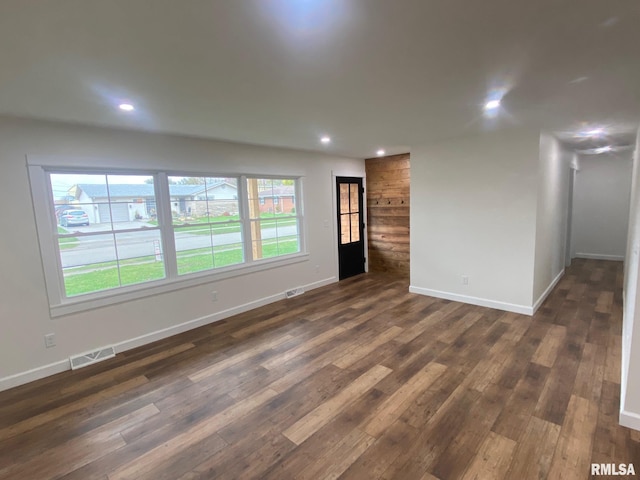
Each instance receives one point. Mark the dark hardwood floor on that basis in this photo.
(359, 380)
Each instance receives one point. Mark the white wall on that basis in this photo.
(552, 215)
(630, 381)
(24, 311)
(473, 212)
(601, 206)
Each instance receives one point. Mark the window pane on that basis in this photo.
(203, 199)
(266, 242)
(344, 198)
(126, 204)
(355, 205)
(140, 257)
(70, 198)
(85, 250)
(208, 246)
(223, 210)
(228, 254)
(288, 238)
(194, 249)
(194, 211)
(89, 264)
(274, 225)
(345, 229)
(227, 242)
(90, 280)
(355, 227)
(103, 202)
(222, 197)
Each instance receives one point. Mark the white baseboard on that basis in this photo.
(629, 419)
(598, 256)
(34, 374)
(546, 293)
(482, 302)
(62, 365)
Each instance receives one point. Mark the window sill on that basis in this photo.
(135, 292)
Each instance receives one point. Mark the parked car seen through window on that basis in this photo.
(70, 218)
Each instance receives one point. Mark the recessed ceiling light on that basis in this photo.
(126, 107)
(492, 104)
(380, 152)
(605, 149)
(596, 132)
(579, 80)
(326, 139)
(590, 133)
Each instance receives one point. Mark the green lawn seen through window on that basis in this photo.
(107, 275)
(66, 242)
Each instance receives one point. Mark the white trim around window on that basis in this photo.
(61, 303)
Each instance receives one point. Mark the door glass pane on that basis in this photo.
(355, 207)
(344, 198)
(344, 229)
(355, 228)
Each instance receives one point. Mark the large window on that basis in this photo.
(106, 234)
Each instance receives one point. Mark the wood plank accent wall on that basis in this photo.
(387, 192)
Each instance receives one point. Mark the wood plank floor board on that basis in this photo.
(356, 380)
(522, 354)
(323, 413)
(375, 461)
(514, 418)
(573, 451)
(493, 458)
(292, 404)
(534, 451)
(454, 460)
(432, 439)
(312, 451)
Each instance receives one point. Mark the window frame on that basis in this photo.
(249, 220)
(44, 213)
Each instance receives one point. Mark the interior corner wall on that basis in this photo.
(630, 371)
(473, 214)
(601, 206)
(24, 309)
(551, 216)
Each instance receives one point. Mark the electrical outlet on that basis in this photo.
(50, 340)
(465, 280)
(317, 268)
(214, 296)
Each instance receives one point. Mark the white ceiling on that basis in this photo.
(369, 73)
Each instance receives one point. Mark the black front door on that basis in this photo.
(350, 226)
